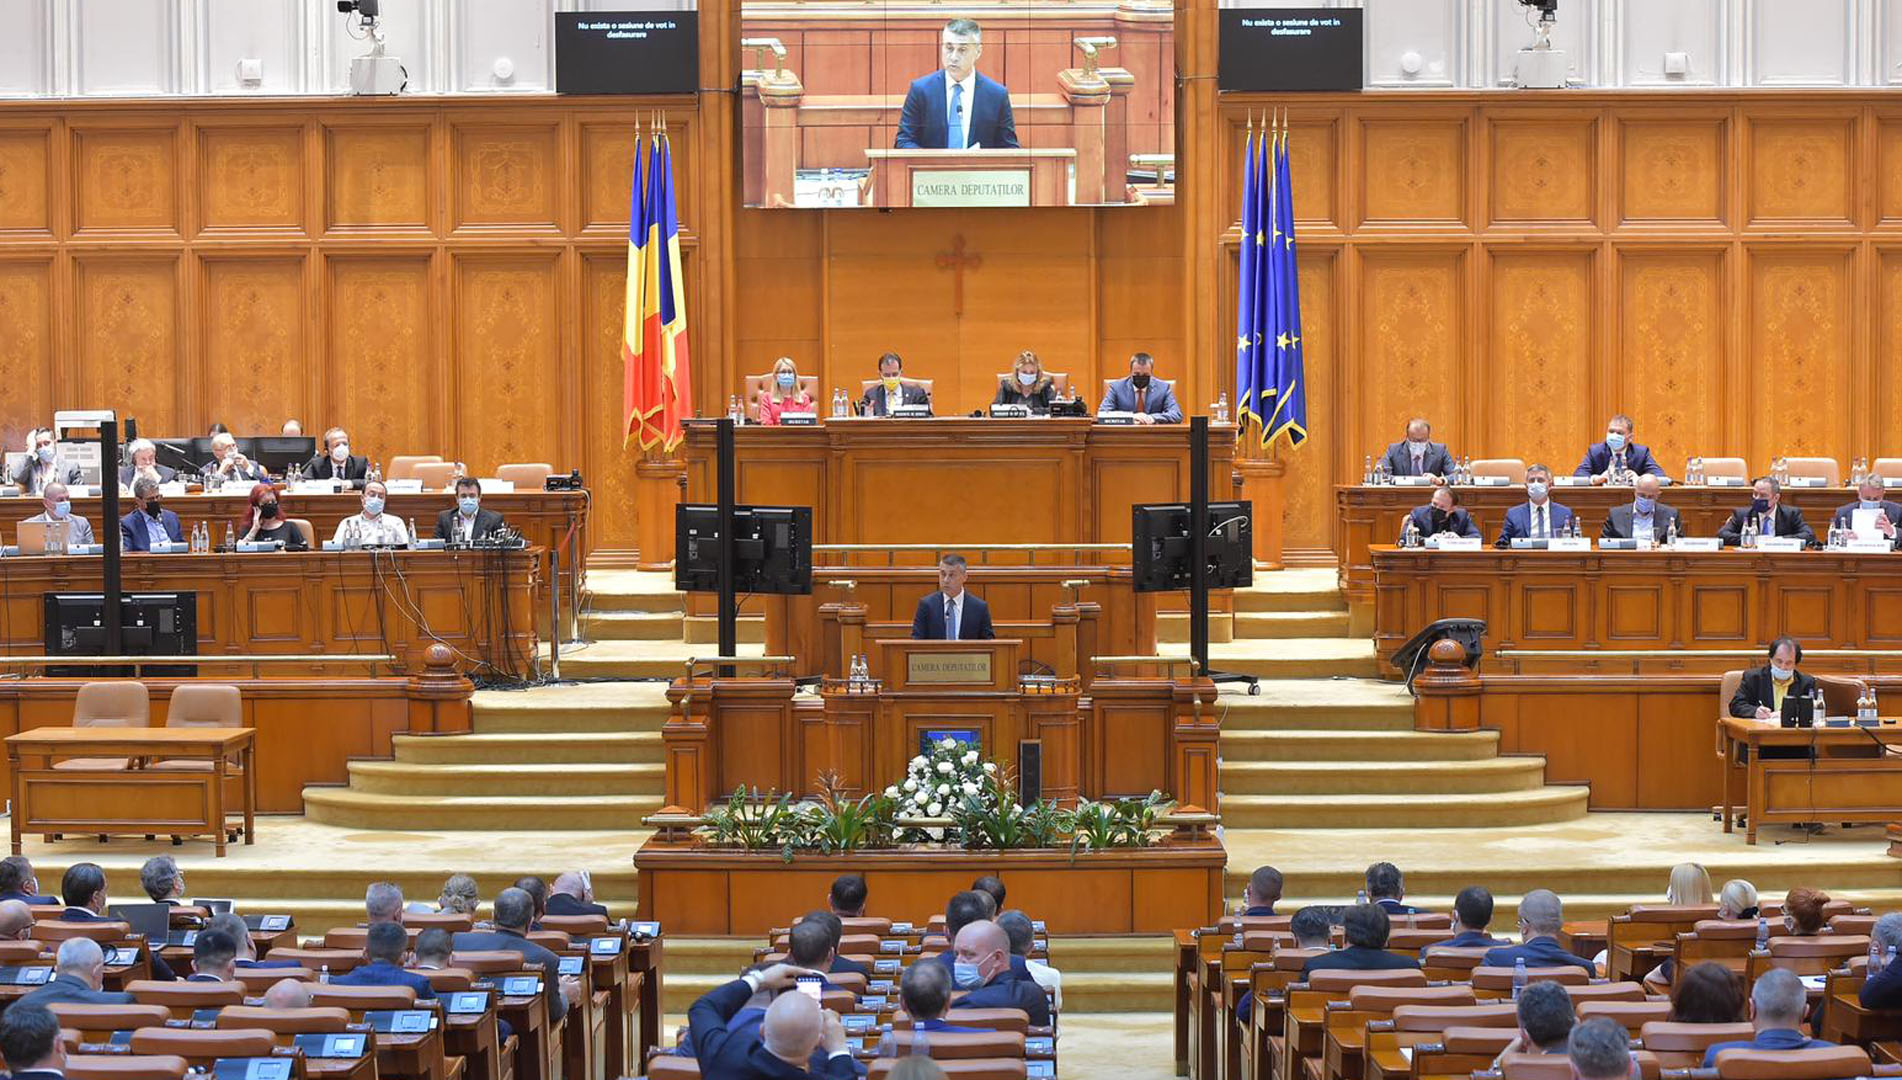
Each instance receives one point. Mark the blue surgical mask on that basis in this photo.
(1644, 505)
(468, 503)
(1760, 506)
(787, 379)
(1535, 490)
(1028, 378)
(373, 504)
(61, 509)
(1871, 504)
(965, 975)
(47, 453)
(1614, 441)
(1782, 674)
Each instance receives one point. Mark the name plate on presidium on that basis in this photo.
(948, 667)
(970, 187)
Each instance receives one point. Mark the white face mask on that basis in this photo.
(340, 452)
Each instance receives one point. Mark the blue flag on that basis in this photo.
(1249, 371)
(1285, 390)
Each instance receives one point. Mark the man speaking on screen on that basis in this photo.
(957, 108)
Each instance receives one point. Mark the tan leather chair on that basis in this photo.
(24, 952)
(58, 930)
(1442, 1017)
(597, 924)
(435, 475)
(525, 475)
(1059, 380)
(310, 532)
(445, 920)
(1824, 1063)
(1631, 1015)
(96, 1023)
(1580, 993)
(1806, 955)
(962, 1068)
(488, 961)
(117, 1066)
(202, 1047)
(257, 980)
(184, 998)
(1681, 1046)
(1826, 467)
(123, 703)
(1887, 467)
(403, 466)
(446, 980)
(1512, 468)
(1497, 980)
(285, 1023)
(671, 1067)
(758, 386)
(995, 1019)
(359, 999)
(337, 960)
(204, 705)
(956, 1046)
(1726, 466)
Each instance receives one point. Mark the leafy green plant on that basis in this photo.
(993, 817)
(1136, 819)
(837, 823)
(754, 821)
(1092, 826)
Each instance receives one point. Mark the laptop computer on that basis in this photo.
(216, 907)
(152, 920)
(32, 539)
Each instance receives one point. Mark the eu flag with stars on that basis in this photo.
(1270, 377)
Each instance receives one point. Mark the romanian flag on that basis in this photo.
(658, 388)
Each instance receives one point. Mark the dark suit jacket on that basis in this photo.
(562, 904)
(1539, 952)
(1789, 523)
(1637, 458)
(1357, 958)
(1884, 991)
(739, 1055)
(30, 484)
(25, 899)
(925, 121)
(36, 1074)
(1459, 522)
(1891, 510)
(1006, 991)
(843, 966)
(66, 989)
(1396, 907)
(1758, 688)
(1468, 939)
(533, 955)
(382, 973)
(355, 469)
(1519, 522)
(1618, 523)
(1774, 1039)
(132, 535)
(1159, 399)
(486, 522)
(874, 403)
(1399, 460)
(930, 1026)
(268, 964)
(974, 622)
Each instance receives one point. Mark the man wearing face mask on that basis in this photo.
(891, 390)
(467, 522)
(982, 968)
(1766, 516)
(336, 461)
(1443, 515)
(1609, 460)
(1150, 399)
(42, 465)
(151, 523)
(1644, 518)
(59, 508)
(1869, 498)
(1761, 691)
(373, 527)
(1418, 454)
(1538, 518)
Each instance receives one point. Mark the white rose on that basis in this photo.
(934, 809)
(911, 784)
(970, 788)
(944, 766)
(970, 757)
(891, 792)
(920, 760)
(990, 766)
(949, 744)
(944, 789)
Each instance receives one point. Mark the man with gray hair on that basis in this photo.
(150, 524)
(383, 902)
(1777, 1005)
(79, 969)
(1023, 936)
(514, 909)
(1601, 1050)
(230, 465)
(162, 880)
(1541, 916)
(956, 107)
(1884, 989)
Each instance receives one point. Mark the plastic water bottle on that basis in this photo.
(1221, 407)
(888, 1044)
(1875, 957)
(1763, 934)
(413, 534)
(920, 1042)
(231, 537)
(323, 975)
(1518, 977)
(1367, 469)
(1817, 713)
(1875, 710)
(1360, 898)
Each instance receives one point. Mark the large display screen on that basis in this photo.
(887, 103)
(650, 51)
(1273, 49)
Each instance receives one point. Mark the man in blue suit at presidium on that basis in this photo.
(957, 107)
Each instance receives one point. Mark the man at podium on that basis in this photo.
(957, 107)
(951, 614)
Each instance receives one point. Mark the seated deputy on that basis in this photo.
(783, 394)
(891, 390)
(335, 462)
(1777, 1007)
(384, 946)
(1766, 516)
(143, 461)
(467, 522)
(1538, 518)
(229, 466)
(1027, 386)
(1418, 454)
(1442, 515)
(1541, 917)
(150, 524)
(264, 520)
(373, 527)
(1644, 518)
(925, 992)
(1150, 399)
(58, 507)
(982, 968)
(1869, 497)
(792, 1032)
(1366, 927)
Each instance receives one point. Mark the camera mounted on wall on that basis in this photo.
(374, 73)
(1540, 67)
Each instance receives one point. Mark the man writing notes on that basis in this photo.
(956, 107)
(951, 613)
(891, 389)
(1150, 399)
(1870, 517)
(1443, 515)
(1766, 516)
(1644, 518)
(1538, 518)
(1418, 454)
(1761, 691)
(1608, 462)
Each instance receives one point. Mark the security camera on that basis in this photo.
(375, 72)
(1548, 9)
(1540, 67)
(366, 8)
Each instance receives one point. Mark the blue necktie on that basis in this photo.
(950, 619)
(955, 138)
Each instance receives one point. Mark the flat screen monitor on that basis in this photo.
(277, 453)
(150, 624)
(1160, 543)
(649, 51)
(173, 453)
(1280, 49)
(772, 549)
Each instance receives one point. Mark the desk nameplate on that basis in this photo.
(948, 668)
(970, 187)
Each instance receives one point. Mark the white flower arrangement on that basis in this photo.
(939, 781)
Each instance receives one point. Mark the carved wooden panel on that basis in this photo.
(25, 195)
(1879, 629)
(1541, 356)
(1309, 488)
(377, 176)
(251, 176)
(506, 175)
(508, 350)
(1720, 613)
(1465, 602)
(1804, 613)
(1413, 330)
(608, 463)
(1313, 166)
(1549, 611)
(1544, 170)
(1803, 169)
(381, 329)
(1888, 340)
(27, 345)
(255, 317)
(1674, 170)
(1634, 613)
(607, 175)
(1799, 332)
(1670, 351)
(1414, 171)
(126, 179)
(126, 310)
(1888, 169)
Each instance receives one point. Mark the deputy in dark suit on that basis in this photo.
(1366, 928)
(1262, 893)
(384, 945)
(1149, 399)
(144, 462)
(1884, 990)
(1761, 691)
(1643, 515)
(1767, 506)
(30, 1039)
(794, 1027)
(952, 613)
(467, 522)
(43, 466)
(514, 909)
(79, 970)
(1388, 890)
(956, 107)
(18, 882)
(83, 889)
(1538, 517)
(214, 956)
(1441, 515)
(1777, 1007)
(150, 522)
(891, 390)
(1618, 455)
(1418, 454)
(1869, 497)
(247, 956)
(925, 991)
(1472, 916)
(981, 967)
(573, 894)
(336, 461)
(1541, 916)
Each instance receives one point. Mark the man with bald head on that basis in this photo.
(573, 894)
(287, 994)
(79, 969)
(16, 920)
(58, 509)
(981, 967)
(794, 1027)
(1540, 918)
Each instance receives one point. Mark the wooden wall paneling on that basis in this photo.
(1803, 167)
(1669, 349)
(254, 318)
(382, 327)
(506, 174)
(1673, 168)
(1801, 326)
(127, 176)
(1885, 440)
(1538, 364)
(1308, 513)
(381, 171)
(508, 346)
(1886, 191)
(1415, 338)
(1542, 167)
(608, 464)
(27, 180)
(1415, 170)
(781, 257)
(251, 176)
(27, 344)
(129, 332)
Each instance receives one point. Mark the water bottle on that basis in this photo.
(1875, 958)
(323, 975)
(888, 1043)
(1360, 898)
(413, 534)
(231, 537)
(1855, 473)
(1818, 714)
(1367, 469)
(1221, 407)
(1875, 710)
(920, 1042)
(1518, 977)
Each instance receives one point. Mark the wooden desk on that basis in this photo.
(182, 802)
(483, 604)
(1639, 600)
(1372, 516)
(1799, 790)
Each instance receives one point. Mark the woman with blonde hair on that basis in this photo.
(1690, 886)
(1738, 900)
(459, 896)
(1028, 385)
(783, 394)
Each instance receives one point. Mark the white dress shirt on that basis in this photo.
(958, 126)
(465, 527)
(1541, 520)
(955, 603)
(385, 529)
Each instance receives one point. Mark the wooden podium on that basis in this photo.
(1018, 177)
